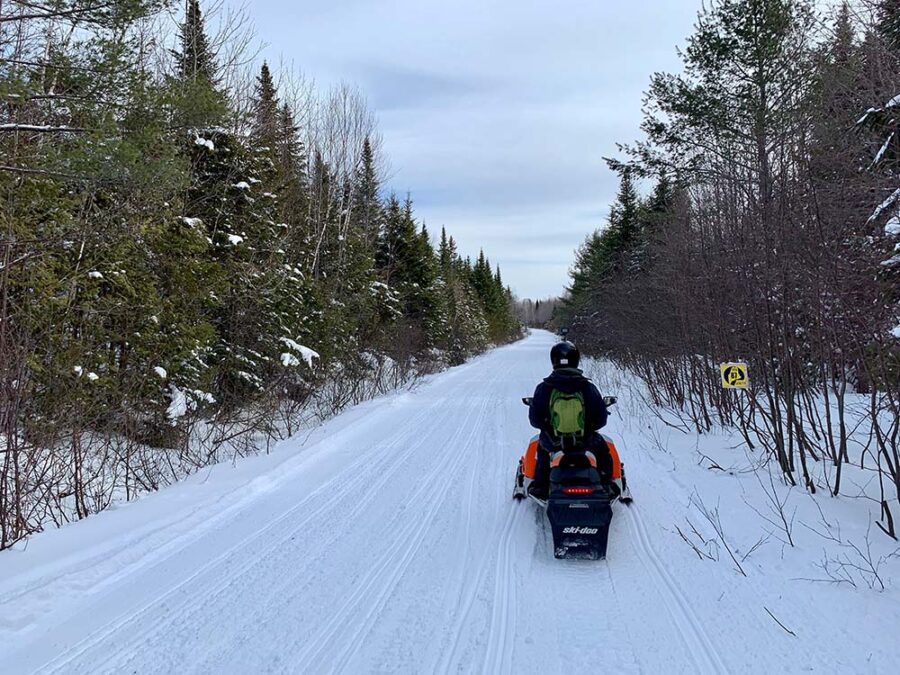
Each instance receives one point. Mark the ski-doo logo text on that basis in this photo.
(580, 530)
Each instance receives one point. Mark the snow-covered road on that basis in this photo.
(388, 543)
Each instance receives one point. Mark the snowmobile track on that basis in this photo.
(463, 593)
(384, 578)
(463, 610)
(689, 626)
(501, 633)
(176, 544)
(349, 481)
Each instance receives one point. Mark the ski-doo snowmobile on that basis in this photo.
(579, 501)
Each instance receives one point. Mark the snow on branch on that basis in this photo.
(880, 155)
(885, 205)
(40, 128)
(306, 353)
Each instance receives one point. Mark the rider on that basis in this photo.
(565, 387)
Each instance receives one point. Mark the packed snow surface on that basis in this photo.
(386, 541)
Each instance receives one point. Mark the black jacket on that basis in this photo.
(569, 381)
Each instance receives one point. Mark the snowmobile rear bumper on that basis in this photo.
(580, 526)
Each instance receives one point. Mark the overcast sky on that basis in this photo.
(496, 114)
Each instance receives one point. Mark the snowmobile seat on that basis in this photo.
(574, 460)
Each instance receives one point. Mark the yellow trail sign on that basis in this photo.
(735, 375)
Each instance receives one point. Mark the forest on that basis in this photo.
(770, 235)
(199, 255)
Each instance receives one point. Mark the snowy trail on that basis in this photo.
(389, 543)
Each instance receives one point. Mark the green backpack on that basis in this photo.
(566, 414)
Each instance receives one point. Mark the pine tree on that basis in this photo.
(321, 230)
(267, 119)
(889, 23)
(366, 199)
(199, 103)
(837, 84)
(446, 254)
(195, 61)
(584, 270)
(625, 211)
(290, 164)
(390, 234)
(291, 156)
(661, 200)
(744, 55)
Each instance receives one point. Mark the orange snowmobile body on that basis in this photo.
(529, 459)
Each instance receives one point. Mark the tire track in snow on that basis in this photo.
(358, 640)
(173, 546)
(629, 643)
(391, 566)
(503, 615)
(226, 585)
(352, 477)
(686, 620)
(464, 607)
(465, 594)
(457, 592)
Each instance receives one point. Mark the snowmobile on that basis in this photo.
(579, 502)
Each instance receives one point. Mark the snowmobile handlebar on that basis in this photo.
(609, 401)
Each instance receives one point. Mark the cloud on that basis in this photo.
(496, 115)
(393, 88)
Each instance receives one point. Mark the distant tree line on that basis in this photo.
(770, 235)
(194, 257)
(537, 313)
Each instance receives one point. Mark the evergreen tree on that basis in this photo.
(366, 200)
(291, 156)
(195, 61)
(446, 254)
(468, 327)
(161, 266)
(653, 218)
(290, 165)
(321, 228)
(624, 219)
(660, 201)
(584, 270)
(889, 23)
(839, 96)
(199, 104)
(388, 254)
(267, 118)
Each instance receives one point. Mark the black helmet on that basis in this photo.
(564, 355)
